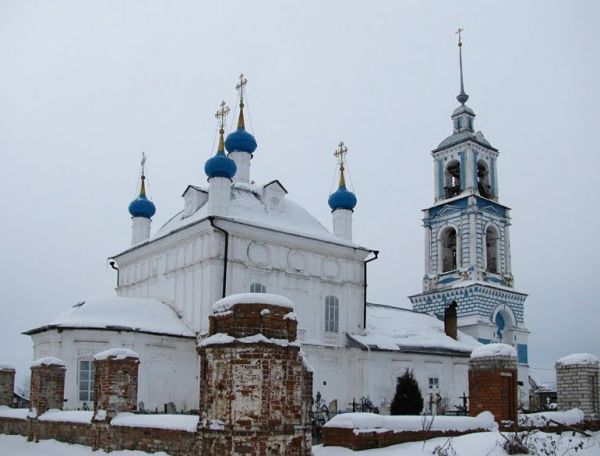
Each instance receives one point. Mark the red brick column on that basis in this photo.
(115, 383)
(493, 382)
(255, 387)
(7, 384)
(47, 385)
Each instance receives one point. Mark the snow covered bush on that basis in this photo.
(408, 399)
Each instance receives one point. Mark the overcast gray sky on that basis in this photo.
(86, 86)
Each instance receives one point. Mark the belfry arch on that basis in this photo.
(483, 179)
(492, 249)
(453, 184)
(449, 241)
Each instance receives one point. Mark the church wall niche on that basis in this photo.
(452, 179)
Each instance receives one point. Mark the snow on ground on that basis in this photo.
(15, 445)
(478, 444)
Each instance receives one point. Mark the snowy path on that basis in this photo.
(15, 445)
(480, 444)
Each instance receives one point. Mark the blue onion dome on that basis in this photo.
(342, 199)
(142, 206)
(220, 165)
(240, 140)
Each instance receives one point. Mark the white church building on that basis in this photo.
(235, 236)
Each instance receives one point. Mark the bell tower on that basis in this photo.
(467, 241)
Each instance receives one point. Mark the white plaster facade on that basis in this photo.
(168, 370)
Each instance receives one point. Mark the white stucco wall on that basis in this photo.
(168, 370)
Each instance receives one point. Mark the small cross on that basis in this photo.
(340, 154)
(458, 32)
(240, 87)
(222, 113)
(143, 158)
(341, 151)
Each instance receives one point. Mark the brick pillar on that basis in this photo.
(578, 384)
(493, 382)
(255, 386)
(47, 385)
(7, 384)
(115, 383)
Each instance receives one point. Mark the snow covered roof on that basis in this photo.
(121, 314)
(225, 304)
(6, 367)
(462, 136)
(247, 206)
(494, 350)
(398, 329)
(578, 358)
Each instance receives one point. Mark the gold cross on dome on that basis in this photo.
(222, 113)
(459, 33)
(341, 151)
(240, 87)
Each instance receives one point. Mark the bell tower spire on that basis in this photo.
(462, 96)
(467, 242)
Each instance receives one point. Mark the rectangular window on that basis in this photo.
(332, 314)
(86, 380)
(434, 382)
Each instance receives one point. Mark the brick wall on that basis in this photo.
(151, 440)
(115, 385)
(78, 433)
(7, 386)
(493, 387)
(366, 440)
(47, 387)
(249, 319)
(14, 426)
(577, 385)
(255, 398)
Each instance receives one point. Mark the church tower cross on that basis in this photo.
(221, 114)
(240, 87)
(340, 154)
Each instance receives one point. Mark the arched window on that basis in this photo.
(85, 379)
(491, 249)
(483, 179)
(448, 244)
(452, 187)
(503, 320)
(258, 288)
(332, 314)
(500, 325)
